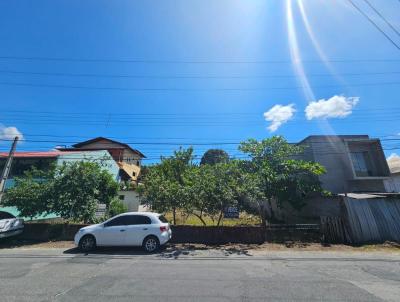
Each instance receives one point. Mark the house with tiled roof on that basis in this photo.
(128, 159)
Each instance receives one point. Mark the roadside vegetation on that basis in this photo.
(72, 191)
(269, 173)
(186, 191)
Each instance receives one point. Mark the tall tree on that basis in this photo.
(214, 156)
(274, 174)
(164, 188)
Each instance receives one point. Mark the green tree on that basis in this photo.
(31, 192)
(214, 156)
(116, 207)
(212, 188)
(71, 190)
(164, 188)
(273, 173)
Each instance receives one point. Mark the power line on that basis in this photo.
(158, 61)
(164, 89)
(89, 157)
(168, 143)
(95, 75)
(374, 24)
(382, 17)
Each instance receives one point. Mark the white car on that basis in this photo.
(149, 230)
(10, 225)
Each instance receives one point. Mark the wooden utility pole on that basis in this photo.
(7, 167)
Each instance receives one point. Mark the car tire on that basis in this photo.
(87, 243)
(151, 244)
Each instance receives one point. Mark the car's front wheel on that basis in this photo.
(151, 244)
(87, 243)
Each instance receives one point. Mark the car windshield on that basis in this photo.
(6, 215)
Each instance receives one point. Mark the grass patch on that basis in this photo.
(185, 219)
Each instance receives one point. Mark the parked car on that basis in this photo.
(10, 225)
(149, 230)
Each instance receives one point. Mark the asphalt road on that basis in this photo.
(55, 275)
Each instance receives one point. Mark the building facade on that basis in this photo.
(353, 163)
(129, 160)
(24, 161)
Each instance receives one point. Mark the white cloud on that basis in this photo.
(9, 133)
(337, 106)
(278, 115)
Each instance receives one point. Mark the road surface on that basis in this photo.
(206, 276)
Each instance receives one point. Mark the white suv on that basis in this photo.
(149, 230)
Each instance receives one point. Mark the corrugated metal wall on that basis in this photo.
(373, 220)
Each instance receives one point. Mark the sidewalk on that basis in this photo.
(233, 251)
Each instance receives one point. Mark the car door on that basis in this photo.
(138, 227)
(113, 232)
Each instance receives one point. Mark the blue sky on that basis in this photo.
(196, 71)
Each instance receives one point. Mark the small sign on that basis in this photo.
(231, 212)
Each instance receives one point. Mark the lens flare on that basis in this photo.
(295, 54)
(299, 67)
(315, 42)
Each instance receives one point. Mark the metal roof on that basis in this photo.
(93, 140)
(33, 154)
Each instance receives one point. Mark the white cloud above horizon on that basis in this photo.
(337, 106)
(9, 133)
(279, 115)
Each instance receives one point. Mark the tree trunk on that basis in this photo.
(272, 214)
(220, 217)
(263, 217)
(200, 218)
(174, 215)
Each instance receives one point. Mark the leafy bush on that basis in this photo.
(117, 207)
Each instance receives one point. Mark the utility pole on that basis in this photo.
(7, 167)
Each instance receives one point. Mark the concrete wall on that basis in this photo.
(130, 199)
(185, 234)
(315, 208)
(333, 152)
(102, 157)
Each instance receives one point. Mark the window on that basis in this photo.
(6, 215)
(121, 220)
(360, 163)
(162, 219)
(137, 219)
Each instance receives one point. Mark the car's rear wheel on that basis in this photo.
(151, 244)
(87, 243)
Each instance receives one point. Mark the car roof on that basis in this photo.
(150, 214)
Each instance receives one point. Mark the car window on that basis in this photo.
(162, 219)
(137, 219)
(6, 215)
(121, 220)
